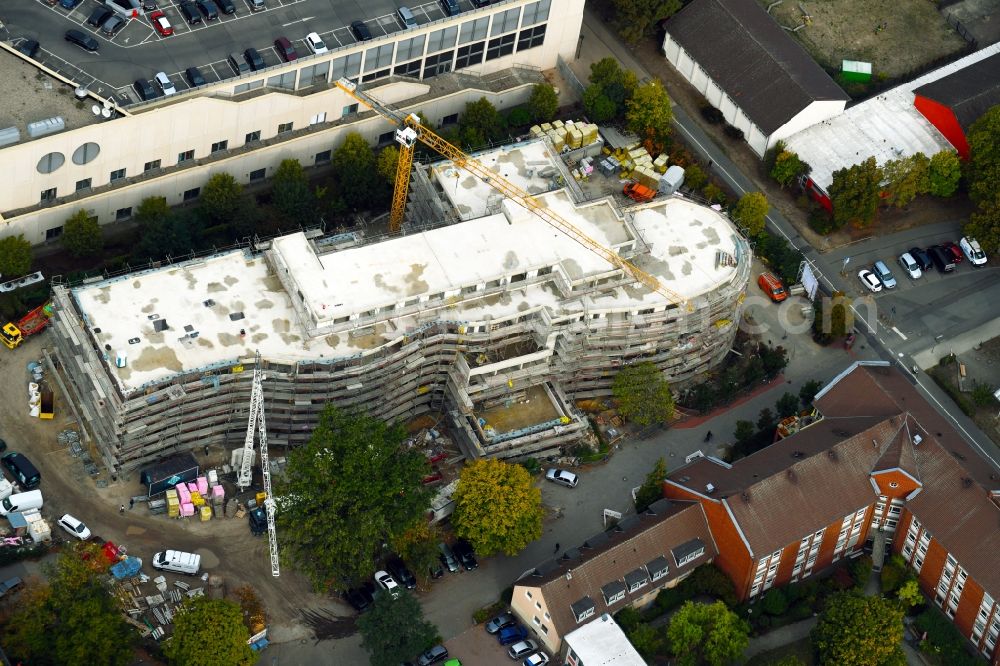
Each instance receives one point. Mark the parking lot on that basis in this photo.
(138, 51)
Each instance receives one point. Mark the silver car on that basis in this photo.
(909, 264)
(884, 275)
(562, 477)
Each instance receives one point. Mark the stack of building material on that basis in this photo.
(213, 478)
(173, 503)
(646, 175)
(183, 494)
(192, 486)
(197, 499)
(187, 510)
(202, 482)
(660, 163)
(587, 166)
(205, 513)
(218, 499)
(38, 529)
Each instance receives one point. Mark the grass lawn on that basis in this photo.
(801, 649)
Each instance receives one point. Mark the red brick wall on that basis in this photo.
(968, 607)
(733, 557)
(902, 528)
(930, 572)
(904, 484)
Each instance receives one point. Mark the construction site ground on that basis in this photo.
(226, 546)
(534, 407)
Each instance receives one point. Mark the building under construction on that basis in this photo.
(488, 316)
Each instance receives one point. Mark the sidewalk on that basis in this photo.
(772, 640)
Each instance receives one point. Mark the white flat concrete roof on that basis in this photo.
(886, 127)
(603, 642)
(198, 300)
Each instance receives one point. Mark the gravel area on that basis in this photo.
(30, 95)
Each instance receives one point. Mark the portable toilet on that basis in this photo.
(672, 180)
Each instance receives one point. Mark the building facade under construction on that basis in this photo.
(482, 313)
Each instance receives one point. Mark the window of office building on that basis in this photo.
(219, 146)
(123, 214)
(252, 136)
(505, 21)
(53, 233)
(380, 74)
(284, 81)
(442, 39)
(48, 195)
(450, 120)
(349, 66)
(471, 55)
(318, 118)
(348, 110)
(257, 175)
(83, 184)
(438, 64)
(530, 38)
(149, 166)
(323, 157)
(536, 12)
(316, 74)
(473, 30)
(244, 87)
(408, 69)
(186, 156)
(499, 47)
(285, 127)
(190, 195)
(378, 57)
(117, 174)
(410, 48)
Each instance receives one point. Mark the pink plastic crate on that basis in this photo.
(192, 486)
(183, 494)
(218, 491)
(202, 485)
(187, 509)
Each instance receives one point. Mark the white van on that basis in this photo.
(177, 561)
(21, 502)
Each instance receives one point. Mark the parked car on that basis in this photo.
(69, 4)
(954, 250)
(772, 286)
(562, 477)
(512, 634)
(538, 659)
(448, 558)
(361, 31)
(361, 598)
(82, 40)
(238, 64)
(148, 5)
(386, 582)
(256, 5)
(315, 44)
(972, 250)
(254, 60)
(463, 551)
(28, 47)
(910, 265)
(22, 469)
(481, 3)
(884, 275)
(450, 7)
(406, 17)
(160, 22)
(74, 527)
(10, 584)
(401, 573)
(208, 9)
(285, 49)
(433, 656)
(521, 649)
(113, 25)
(501, 621)
(436, 571)
(258, 520)
(226, 6)
(190, 12)
(943, 259)
(194, 77)
(144, 89)
(922, 258)
(99, 16)
(869, 280)
(165, 84)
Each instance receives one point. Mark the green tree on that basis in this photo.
(291, 194)
(172, 233)
(909, 593)
(419, 547)
(984, 225)
(855, 193)
(709, 633)
(599, 107)
(388, 160)
(944, 172)
(651, 489)
(695, 177)
(349, 490)
(787, 405)
(15, 256)
(751, 212)
(713, 193)
(893, 574)
(744, 431)
(774, 602)
(497, 507)
(809, 390)
(543, 103)
(982, 174)
(766, 420)
(358, 181)
(636, 19)
(221, 199)
(208, 632)
(394, 629)
(905, 178)
(787, 168)
(480, 123)
(859, 631)
(81, 235)
(647, 640)
(982, 394)
(648, 115)
(151, 208)
(643, 394)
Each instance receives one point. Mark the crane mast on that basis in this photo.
(258, 426)
(496, 181)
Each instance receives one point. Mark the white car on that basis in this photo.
(165, 84)
(870, 280)
(972, 251)
(562, 477)
(387, 582)
(908, 264)
(315, 44)
(537, 659)
(74, 527)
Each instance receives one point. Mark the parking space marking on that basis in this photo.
(899, 333)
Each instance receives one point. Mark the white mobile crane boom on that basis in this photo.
(257, 425)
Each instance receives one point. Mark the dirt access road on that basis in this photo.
(226, 546)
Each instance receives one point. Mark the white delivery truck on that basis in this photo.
(177, 561)
(21, 502)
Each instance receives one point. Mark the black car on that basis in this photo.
(194, 76)
(208, 9)
(226, 6)
(361, 31)
(3, 444)
(402, 575)
(463, 551)
(82, 40)
(258, 521)
(361, 598)
(436, 571)
(922, 258)
(28, 47)
(481, 3)
(99, 16)
(942, 258)
(148, 5)
(190, 12)
(254, 60)
(144, 89)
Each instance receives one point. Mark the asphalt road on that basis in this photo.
(137, 51)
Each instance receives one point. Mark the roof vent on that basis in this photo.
(966, 482)
(791, 475)
(746, 497)
(917, 439)
(709, 488)
(569, 574)
(832, 454)
(798, 454)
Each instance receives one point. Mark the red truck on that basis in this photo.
(638, 192)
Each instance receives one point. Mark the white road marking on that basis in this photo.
(301, 20)
(899, 333)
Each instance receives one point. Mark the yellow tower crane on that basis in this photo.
(411, 130)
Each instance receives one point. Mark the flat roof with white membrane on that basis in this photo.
(886, 127)
(213, 312)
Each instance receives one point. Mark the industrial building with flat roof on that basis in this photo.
(475, 318)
